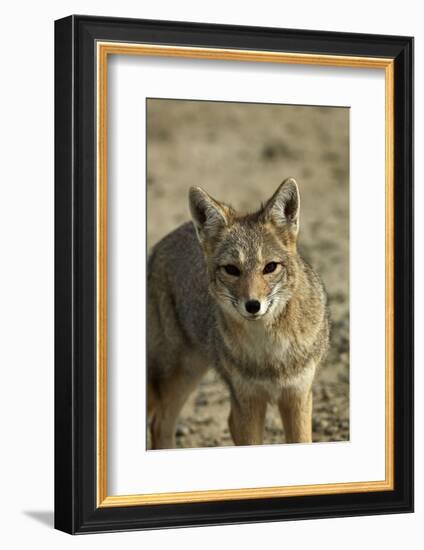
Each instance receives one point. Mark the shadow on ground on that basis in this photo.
(46, 517)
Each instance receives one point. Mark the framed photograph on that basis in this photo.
(234, 274)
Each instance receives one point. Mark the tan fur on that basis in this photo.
(201, 279)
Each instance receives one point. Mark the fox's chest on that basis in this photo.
(262, 360)
(260, 347)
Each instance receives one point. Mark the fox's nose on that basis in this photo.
(252, 306)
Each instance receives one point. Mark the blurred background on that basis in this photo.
(240, 153)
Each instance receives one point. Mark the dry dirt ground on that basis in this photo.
(240, 153)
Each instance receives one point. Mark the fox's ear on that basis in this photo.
(283, 207)
(209, 216)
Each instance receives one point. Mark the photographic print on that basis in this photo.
(233, 266)
(248, 273)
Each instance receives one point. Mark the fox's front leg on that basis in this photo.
(247, 419)
(296, 412)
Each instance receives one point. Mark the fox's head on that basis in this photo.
(251, 259)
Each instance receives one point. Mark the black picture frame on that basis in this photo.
(76, 510)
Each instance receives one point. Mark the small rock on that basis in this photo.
(323, 424)
(201, 401)
(182, 431)
(327, 394)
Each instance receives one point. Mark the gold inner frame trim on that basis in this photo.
(104, 49)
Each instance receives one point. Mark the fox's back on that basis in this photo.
(178, 286)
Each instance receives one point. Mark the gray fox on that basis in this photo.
(230, 291)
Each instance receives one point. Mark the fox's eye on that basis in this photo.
(232, 270)
(269, 268)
